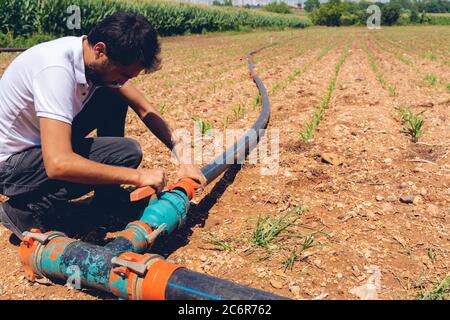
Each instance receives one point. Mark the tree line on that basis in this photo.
(337, 12)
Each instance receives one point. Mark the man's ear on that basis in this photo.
(99, 50)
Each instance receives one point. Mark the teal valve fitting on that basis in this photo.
(169, 208)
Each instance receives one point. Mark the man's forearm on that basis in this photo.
(77, 169)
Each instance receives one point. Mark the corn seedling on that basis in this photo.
(238, 111)
(431, 79)
(415, 122)
(308, 131)
(430, 56)
(203, 126)
(225, 121)
(162, 107)
(406, 114)
(257, 101)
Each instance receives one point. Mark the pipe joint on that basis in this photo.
(140, 277)
(169, 208)
(40, 253)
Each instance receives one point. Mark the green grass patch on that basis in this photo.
(431, 79)
(440, 291)
(220, 244)
(267, 228)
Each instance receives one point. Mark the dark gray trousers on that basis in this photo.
(34, 198)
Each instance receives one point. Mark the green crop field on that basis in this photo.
(25, 17)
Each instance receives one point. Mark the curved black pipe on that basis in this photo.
(242, 147)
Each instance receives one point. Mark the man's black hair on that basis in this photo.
(129, 39)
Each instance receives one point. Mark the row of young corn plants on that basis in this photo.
(281, 85)
(397, 55)
(311, 126)
(429, 78)
(390, 88)
(239, 110)
(431, 56)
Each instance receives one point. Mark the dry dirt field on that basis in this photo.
(352, 230)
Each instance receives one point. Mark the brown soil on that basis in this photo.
(355, 225)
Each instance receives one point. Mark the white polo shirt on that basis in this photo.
(47, 80)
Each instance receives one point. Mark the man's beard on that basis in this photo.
(93, 75)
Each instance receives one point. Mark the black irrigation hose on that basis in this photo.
(238, 152)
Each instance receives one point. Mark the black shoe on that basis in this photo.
(19, 217)
(8, 222)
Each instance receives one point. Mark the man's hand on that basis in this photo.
(154, 178)
(191, 171)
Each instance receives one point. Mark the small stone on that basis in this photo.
(407, 198)
(432, 209)
(295, 290)
(403, 185)
(391, 198)
(317, 263)
(332, 158)
(276, 284)
(379, 198)
(280, 273)
(203, 258)
(287, 173)
(339, 275)
(387, 161)
(417, 200)
(423, 192)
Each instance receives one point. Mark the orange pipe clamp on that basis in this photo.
(147, 275)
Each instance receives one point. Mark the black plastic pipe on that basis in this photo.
(242, 147)
(185, 284)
